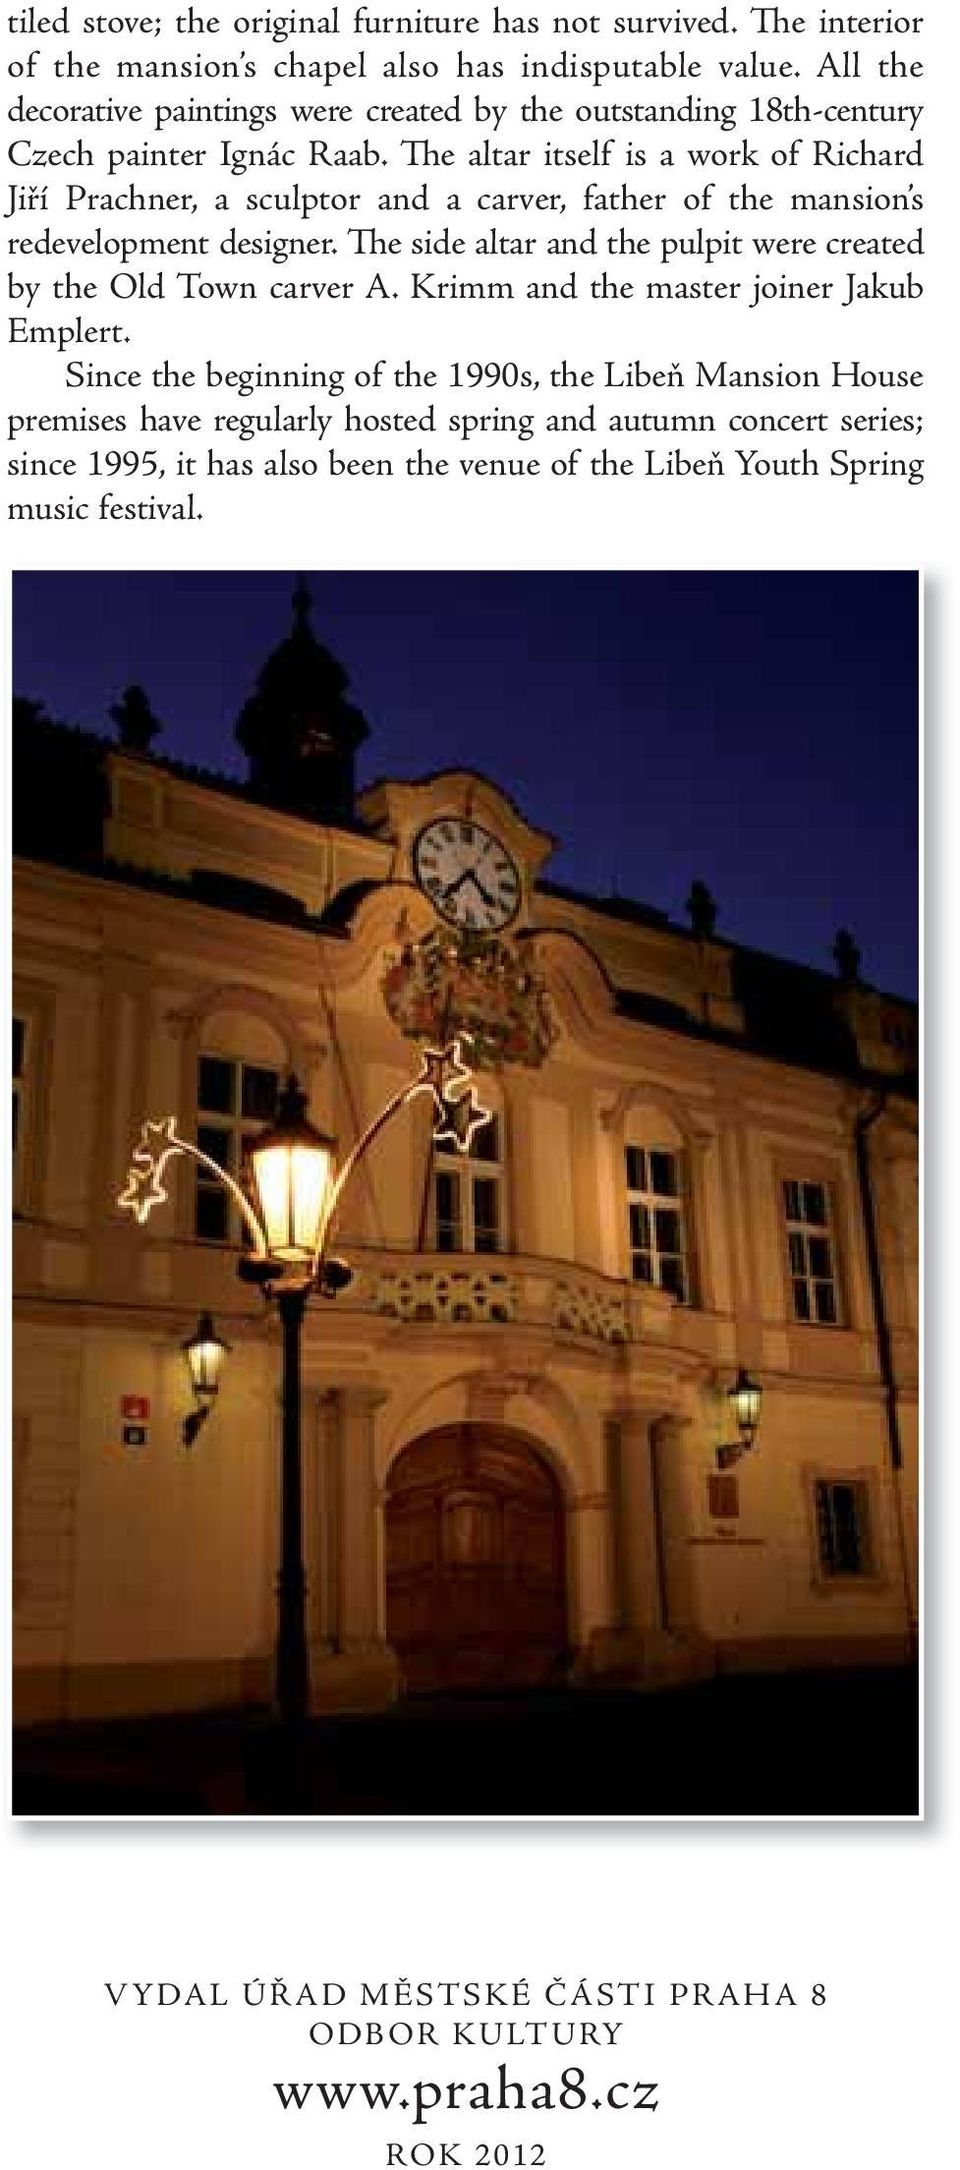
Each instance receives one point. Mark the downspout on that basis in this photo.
(663, 1602)
(862, 1127)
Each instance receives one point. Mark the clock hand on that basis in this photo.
(455, 885)
(470, 875)
(482, 892)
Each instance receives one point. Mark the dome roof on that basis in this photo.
(298, 729)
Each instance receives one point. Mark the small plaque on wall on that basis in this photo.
(134, 1420)
(723, 1497)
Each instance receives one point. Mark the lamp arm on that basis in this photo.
(386, 1114)
(233, 1187)
(144, 1188)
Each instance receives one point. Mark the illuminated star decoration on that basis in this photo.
(457, 1113)
(460, 1120)
(144, 1188)
(442, 1071)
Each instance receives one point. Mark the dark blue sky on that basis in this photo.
(756, 729)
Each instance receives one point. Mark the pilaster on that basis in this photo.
(353, 1668)
(641, 1648)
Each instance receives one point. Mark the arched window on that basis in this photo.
(656, 1187)
(240, 1066)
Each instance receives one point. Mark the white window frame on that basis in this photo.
(464, 1169)
(650, 1202)
(240, 1128)
(801, 1231)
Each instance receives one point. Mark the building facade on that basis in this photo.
(699, 1158)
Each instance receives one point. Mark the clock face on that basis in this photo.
(467, 874)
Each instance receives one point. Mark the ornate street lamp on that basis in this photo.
(744, 1397)
(291, 1165)
(291, 1168)
(288, 1216)
(204, 1353)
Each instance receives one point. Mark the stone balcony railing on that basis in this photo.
(554, 1296)
(455, 1289)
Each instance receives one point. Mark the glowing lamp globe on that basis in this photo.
(745, 1397)
(291, 1167)
(204, 1354)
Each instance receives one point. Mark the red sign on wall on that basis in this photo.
(134, 1408)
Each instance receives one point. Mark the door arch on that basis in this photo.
(475, 1561)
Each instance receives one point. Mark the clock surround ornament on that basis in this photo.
(477, 987)
(467, 874)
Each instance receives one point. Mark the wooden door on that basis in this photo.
(475, 1562)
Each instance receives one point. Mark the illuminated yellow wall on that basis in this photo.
(144, 1578)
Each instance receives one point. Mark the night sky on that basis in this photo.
(758, 730)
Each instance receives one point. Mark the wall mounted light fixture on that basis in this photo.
(744, 1398)
(204, 1353)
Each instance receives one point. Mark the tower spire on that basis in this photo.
(298, 729)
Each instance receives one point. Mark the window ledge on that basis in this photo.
(864, 1585)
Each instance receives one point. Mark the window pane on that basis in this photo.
(791, 1201)
(821, 1259)
(212, 1214)
(815, 1204)
(258, 1094)
(640, 1227)
(19, 1042)
(848, 1552)
(216, 1143)
(663, 1174)
(642, 1266)
(486, 1142)
(447, 1195)
(798, 1260)
(485, 1230)
(636, 1171)
(826, 1303)
(667, 1225)
(824, 1527)
(801, 1299)
(671, 1277)
(216, 1081)
(448, 1212)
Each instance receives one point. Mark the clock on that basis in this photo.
(467, 874)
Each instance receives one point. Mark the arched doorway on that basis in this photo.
(475, 1565)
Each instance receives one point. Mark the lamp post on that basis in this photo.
(291, 1168)
(288, 1212)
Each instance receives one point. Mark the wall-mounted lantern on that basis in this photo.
(744, 1398)
(204, 1353)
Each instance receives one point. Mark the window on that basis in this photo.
(658, 1247)
(843, 1528)
(812, 1252)
(20, 1048)
(234, 1101)
(467, 1193)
